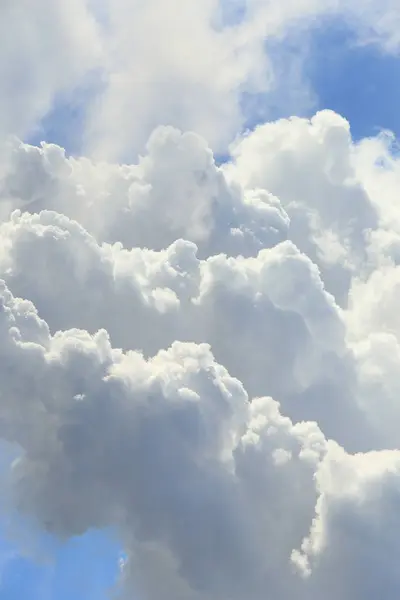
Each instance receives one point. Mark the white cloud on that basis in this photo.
(353, 543)
(377, 23)
(267, 317)
(205, 358)
(175, 191)
(312, 166)
(211, 492)
(174, 63)
(169, 450)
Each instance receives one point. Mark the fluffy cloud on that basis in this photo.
(213, 495)
(160, 57)
(267, 317)
(330, 209)
(268, 313)
(352, 544)
(176, 190)
(206, 358)
(158, 448)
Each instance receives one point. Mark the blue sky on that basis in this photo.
(359, 82)
(84, 568)
(64, 124)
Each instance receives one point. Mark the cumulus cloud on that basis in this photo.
(176, 190)
(267, 317)
(352, 543)
(203, 357)
(330, 209)
(154, 447)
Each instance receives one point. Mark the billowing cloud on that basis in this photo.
(176, 190)
(202, 357)
(206, 358)
(352, 545)
(159, 448)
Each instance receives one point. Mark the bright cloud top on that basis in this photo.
(202, 358)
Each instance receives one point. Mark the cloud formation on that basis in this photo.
(183, 63)
(160, 57)
(205, 358)
(202, 357)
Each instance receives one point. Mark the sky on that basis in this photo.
(199, 282)
(361, 82)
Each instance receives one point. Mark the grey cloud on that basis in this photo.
(152, 447)
(268, 318)
(205, 359)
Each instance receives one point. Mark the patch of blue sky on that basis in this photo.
(83, 568)
(289, 92)
(361, 82)
(64, 124)
(41, 567)
(232, 12)
(326, 67)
